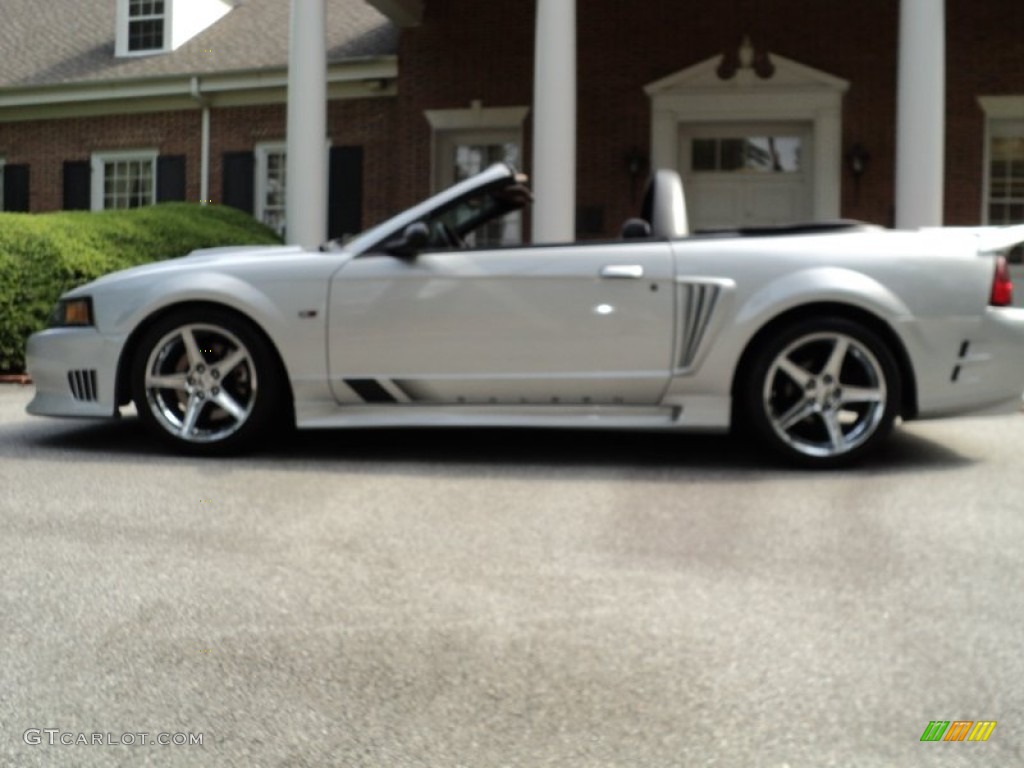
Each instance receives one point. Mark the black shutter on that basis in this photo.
(77, 183)
(345, 198)
(16, 188)
(239, 171)
(170, 178)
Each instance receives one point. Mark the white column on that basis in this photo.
(554, 122)
(921, 114)
(306, 183)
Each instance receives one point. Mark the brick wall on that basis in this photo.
(468, 50)
(47, 144)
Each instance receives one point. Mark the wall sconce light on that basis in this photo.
(636, 163)
(857, 160)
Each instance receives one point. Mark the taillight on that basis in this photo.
(1002, 285)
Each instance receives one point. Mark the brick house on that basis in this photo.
(807, 119)
(113, 103)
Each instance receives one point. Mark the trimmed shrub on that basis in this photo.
(44, 255)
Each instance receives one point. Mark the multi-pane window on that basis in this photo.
(146, 21)
(753, 154)
(467, 141)
(271, 184)
(471, 159)
(123, 180)
(1005, 194)
(1006, 179)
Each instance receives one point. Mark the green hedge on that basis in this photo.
(43, 255)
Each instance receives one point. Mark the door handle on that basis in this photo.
(623, 271)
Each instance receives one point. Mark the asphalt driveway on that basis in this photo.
(487, 598)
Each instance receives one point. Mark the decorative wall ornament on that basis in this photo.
(746, 58)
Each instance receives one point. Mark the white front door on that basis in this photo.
(746, 174)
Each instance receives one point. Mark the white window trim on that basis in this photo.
(445, 122)
(121, 38)
(100, 159)
(261, 151)
(1000, 111)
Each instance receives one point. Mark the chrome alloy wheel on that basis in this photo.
(200, 383)
(825, 394)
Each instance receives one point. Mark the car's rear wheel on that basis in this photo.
(205, 381)
(823, 392)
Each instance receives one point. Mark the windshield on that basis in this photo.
(491, 218)
(482, 211)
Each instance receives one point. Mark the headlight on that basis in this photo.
(72, 312)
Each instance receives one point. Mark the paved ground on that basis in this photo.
(507, 599)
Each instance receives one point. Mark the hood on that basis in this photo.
(204, 258)
(233, 253)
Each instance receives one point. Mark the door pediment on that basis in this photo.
(787, 75)
(794, 93)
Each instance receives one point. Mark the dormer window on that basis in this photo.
(145, 27)
(146, 20)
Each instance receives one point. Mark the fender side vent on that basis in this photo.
(83, 385)
(697, 301)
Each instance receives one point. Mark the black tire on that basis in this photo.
(206, 382)
(823, 392)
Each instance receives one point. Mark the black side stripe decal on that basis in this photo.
(370, 390)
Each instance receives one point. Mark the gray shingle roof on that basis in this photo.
(49, 42)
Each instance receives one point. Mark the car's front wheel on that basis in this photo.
(205, 381)
(823, 392)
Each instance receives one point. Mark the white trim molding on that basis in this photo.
(182, 20)
(363, 79)
(99, 163)
(1002, 107)
(477, 117)
(477, 123)
(261, 155)
(1004, 118)
(794, 93)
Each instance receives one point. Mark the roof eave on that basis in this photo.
(352, 78)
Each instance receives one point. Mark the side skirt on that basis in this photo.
(330, 416)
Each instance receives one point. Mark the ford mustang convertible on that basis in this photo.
(814, 339)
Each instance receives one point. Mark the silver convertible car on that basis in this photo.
(813, 338)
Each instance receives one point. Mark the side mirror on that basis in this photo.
(414, 239)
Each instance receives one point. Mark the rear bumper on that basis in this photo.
(986, 371)
(74, 372)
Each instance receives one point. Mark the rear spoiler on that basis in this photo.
(999, 239)
(991, 240)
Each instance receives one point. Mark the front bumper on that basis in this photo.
(74, 371)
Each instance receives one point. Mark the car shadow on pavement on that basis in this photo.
(425, 449)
